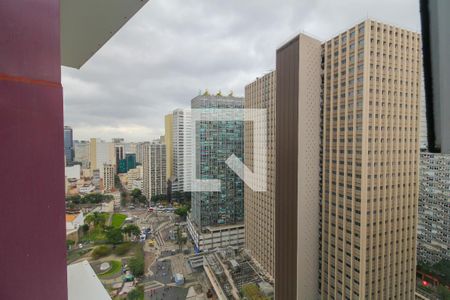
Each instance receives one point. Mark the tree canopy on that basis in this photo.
(182, 211)
(114, 235)
(158, 198)
(131, 229)
(93, 198)
(96, 218)
(138, 197)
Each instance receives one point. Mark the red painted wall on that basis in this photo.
(32, 233)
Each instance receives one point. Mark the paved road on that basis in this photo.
(167, 293)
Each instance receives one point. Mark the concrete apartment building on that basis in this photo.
(217, 218)
(168, 140)
(140, 152)
(109, 171)
(433, 230)
(81, 150)
(134, 178)
(370, 155)
(182, 150)
(259, 207)
(154, 169)
(298, 91)
(101, 153)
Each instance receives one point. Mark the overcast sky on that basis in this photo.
(171, 49)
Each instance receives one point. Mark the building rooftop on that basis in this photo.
(83, 283)
(71, 217)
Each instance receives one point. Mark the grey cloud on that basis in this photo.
(173, 48)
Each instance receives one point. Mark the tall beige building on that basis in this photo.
(371, 103)
(168, 140)
(259, 207)
(154, 169)
(298, 90)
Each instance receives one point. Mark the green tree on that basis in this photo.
(136, 294)
(114, 235)
(138, 197)
(69, 244)
(85, 228)
(76, 199)
(131, 229)
(142, 199)
(95, 198)
(182, 211)
(136, 265)
(117, 182)
(136, 193)
(96, 218)
(443, 292)
(101, 251)
(158, 198)
(123, 201)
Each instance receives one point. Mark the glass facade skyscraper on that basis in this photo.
(215, 142)
(128, 163)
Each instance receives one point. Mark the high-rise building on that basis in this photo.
(108, 177)
(101, 153)
(117, 140)
(218, 214)
(182, 150)
(154, 167)
(370, 151)
(168, 140)
(436, 50)
(96, 177)
(298, 90)
(81, 150)
(129, 162)
(433, 230)
(423, 120)
(68, 144)
(120, 153)
(140, 152)
(130, 147)
(259, 207)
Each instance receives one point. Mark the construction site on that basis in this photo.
(233, 275)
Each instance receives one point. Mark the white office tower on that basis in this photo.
(182, 154)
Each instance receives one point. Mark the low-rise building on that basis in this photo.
(86, 189)
(73, 222)
(134, 178)
(73, 172)
(83, 283)
(212, 237)
(108, 207)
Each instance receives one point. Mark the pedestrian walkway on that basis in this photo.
(152, 285)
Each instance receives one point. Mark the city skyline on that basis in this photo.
(255, 149)
(101, 102)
